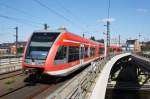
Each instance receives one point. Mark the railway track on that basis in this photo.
(10, 83)
(15, 87)
(39, 89)
(10, 74)
(28, 90)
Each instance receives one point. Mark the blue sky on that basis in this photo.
(129, 17)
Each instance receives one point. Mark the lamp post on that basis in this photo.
(139, 36)
(119, 40)
(108, 37)
(16, 44)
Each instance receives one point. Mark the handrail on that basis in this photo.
(10, 56)
(80, 85)
(10, 64)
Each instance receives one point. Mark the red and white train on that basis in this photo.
(59, 53)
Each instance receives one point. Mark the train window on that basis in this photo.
(73, 53)
(44, 37)
(37, 52)
(81, 52)
(61, 56)
(92, 51)
(101, 50)
(86, 52)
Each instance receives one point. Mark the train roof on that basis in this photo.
(69, 34)
(72, 36)
(48, 31)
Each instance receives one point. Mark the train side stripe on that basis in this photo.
(69, 70)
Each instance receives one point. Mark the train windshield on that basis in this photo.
(44, 37)
(38, 52)
(40, 45)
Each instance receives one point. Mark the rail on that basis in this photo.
(10, 64)
(144, 55)
(79, 86)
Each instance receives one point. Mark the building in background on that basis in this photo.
(133, 45)
(21, 46)
(10, 48)
(145, 46)
(4, 48)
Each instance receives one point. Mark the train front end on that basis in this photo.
(37, 50)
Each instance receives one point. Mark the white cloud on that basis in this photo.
(142, 10)
(107, 19)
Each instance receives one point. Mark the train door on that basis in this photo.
(81, 53)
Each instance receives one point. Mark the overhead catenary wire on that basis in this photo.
(108, 28)
(108, 12)
(20, 20)
(19, 10)
(65, 9)
(68, 11)
(57, 13)
(72, 15)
